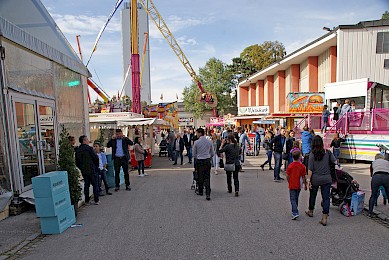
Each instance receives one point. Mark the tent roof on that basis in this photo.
(30, 25)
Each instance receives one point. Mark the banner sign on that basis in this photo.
(306, 102)
(216, 120)
(260, 110)
(185, 120)
(229, 119)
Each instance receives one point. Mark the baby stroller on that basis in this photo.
(163, 148)
(194, 182)
(342, 190)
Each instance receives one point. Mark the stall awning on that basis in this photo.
(143, 121)
(248, 117)
(265, 122)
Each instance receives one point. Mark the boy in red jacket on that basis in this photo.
(295, 174)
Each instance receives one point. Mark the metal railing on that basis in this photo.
(299, 127)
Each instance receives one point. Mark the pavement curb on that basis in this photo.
(18, 247)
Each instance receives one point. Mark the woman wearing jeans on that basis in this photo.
(335, 144)
(269, 152)
(139, 157)
(231, 149)
(319, 175)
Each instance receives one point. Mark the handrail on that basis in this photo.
(340, 120)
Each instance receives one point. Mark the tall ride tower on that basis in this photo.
(127, 30)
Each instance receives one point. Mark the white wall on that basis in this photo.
(357, 57)
(324, 70)
(304, 86)
(276, 94)
(265, 93)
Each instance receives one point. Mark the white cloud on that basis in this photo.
(84, 24)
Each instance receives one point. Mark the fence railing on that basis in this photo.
(298, 128)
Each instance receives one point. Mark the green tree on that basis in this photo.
(66, 162)
(385, 15)
(215, 78)
(101, 137)
(261, 56)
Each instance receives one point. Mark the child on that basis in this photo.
(296, 147)
(294, 174)
(102, 176)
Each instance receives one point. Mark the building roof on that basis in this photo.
(313, 48)
(30, 25)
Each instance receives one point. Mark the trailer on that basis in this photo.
(366, 125)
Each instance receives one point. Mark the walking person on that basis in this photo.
(379, 170)
(216, 157)
(102, 170)
(88, 163)
(286, 155)
(231, 150)
(203, 152)
(325, 115)
(335, 145)
(336, 110)
(295, 174)
(188, 136)
(306, 140)
(178, 149)
(140, 156)
(269, 151)
(121, 157)
(319, 176)
(242, 141)
(277, 145)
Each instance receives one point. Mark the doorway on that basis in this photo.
(35, 136)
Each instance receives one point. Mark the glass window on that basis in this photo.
(27, 70)
(382, 42)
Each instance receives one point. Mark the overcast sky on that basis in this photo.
(204, 29)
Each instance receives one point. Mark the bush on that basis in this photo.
(66, 162)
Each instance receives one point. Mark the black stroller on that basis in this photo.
(163, 148)
(342, 190)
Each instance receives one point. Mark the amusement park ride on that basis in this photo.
(156, 17)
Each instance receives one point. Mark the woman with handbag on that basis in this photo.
(319, 176)
(140, 157)
(231, 149)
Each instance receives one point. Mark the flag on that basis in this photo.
(118, 2)
(176, 96)
(161, 98)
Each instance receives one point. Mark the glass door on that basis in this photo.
(26, 141)
(35, 137)
(47, 145)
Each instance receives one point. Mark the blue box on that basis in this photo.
(59, 223)
(50, 184)
(52, 206)
(357, 203)
(111, 172)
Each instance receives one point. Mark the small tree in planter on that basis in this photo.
(66, 162)
(101, 137)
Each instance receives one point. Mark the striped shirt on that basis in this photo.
(203, 149)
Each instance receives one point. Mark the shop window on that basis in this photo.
(382, 42)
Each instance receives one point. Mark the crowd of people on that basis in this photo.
(92, 162)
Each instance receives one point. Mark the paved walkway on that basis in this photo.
(161, 218)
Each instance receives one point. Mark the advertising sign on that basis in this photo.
(216, 121)
(185, 120)
(305, 102)
(260, 110)
(229, 119)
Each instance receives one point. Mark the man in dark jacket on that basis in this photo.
(88, 162)
(178, 148)
(188, 136)
(121, 157)
(277, 144)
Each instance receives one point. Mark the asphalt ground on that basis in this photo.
(162, 218)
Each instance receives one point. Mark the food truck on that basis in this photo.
(367, 125)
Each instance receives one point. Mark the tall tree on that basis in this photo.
(215, 78)
(385, 15)
(262, 55)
